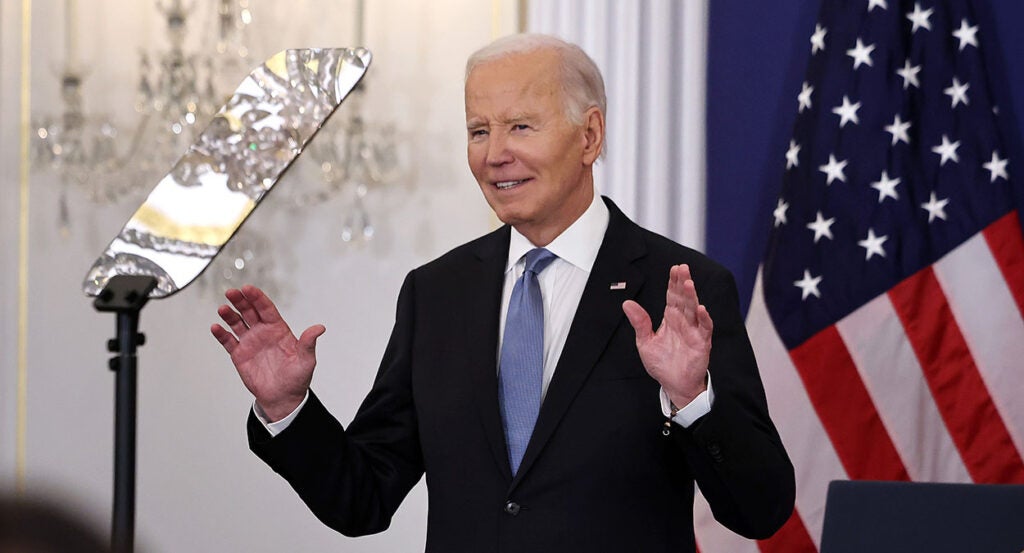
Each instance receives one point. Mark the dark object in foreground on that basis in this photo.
(914, 516)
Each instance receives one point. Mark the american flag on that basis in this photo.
(887, 314)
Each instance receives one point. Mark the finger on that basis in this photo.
(639, 319)
(678, 275)
(243, 305)
(707, 326)
(673, 320)
(265, 308)
(233, 320)
(682, 293)
(686, 276)
(225, 338)
(308, 339)
(680, 299)
(672, 293)
(690, 303)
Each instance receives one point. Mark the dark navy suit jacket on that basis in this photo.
(599, 474)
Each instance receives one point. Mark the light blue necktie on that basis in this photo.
(521, 366)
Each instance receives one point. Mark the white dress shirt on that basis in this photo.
(561, 283)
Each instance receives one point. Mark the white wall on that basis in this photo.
(199, 488)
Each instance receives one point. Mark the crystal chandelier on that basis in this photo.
(352, 157)
(177, 92)
(74, 144)
(175, 96)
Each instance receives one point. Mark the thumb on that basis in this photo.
(308, 339)
(639, 318)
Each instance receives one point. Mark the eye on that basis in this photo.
(474, 133)
(520, 127)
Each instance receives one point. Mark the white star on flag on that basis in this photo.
(805, 97)
(898, 129)
(872, 244)
(919, 274)
(821, 227)
(808, 285)
(834, 169)
(847, 112)
(861, 54)
(957, 92)
(947, 150)
(966, 34)
(780, 212)
(997, 167)
(886, 187)
(920, 18)
(792, 155)
(909, 74)
(935, 207)
(818, 39)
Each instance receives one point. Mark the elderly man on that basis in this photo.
(523, 375)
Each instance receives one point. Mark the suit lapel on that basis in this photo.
(598, 315)
(483, 303)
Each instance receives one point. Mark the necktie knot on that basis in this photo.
(537, 259)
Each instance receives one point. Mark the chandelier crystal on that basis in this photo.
(175, 96)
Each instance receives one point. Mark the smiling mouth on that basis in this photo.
(506, 184)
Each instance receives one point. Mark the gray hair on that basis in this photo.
(582, 84)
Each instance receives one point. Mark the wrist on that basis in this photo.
(279, 409)
(681, 397)
(679, 401)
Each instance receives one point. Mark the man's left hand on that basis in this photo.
(677, 354)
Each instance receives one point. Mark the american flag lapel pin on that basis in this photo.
(618, 286)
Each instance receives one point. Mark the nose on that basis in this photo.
(498, 152)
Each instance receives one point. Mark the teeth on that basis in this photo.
(508, 183)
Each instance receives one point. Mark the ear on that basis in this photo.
(593, 135)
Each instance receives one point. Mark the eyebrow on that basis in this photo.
(519, 117)
(509, 120)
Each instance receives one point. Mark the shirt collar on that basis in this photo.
(577, 244)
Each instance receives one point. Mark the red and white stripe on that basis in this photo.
(921, 383)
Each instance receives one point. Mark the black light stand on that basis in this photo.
(124, 295)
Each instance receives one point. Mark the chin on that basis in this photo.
(503, 210)
(507, 216)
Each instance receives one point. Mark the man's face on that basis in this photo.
(531, 163)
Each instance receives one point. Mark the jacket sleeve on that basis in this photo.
(734, 451)
(354, 479)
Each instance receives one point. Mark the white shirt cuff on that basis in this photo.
(700, 406)
(277, 427)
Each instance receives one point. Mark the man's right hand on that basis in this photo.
(274, 366)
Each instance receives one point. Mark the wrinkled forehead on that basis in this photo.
(520, 78)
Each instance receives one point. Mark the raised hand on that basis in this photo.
(275, 366)
(677, 355)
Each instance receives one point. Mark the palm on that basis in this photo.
(268, 358)
(677, 355)
(275, 366)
